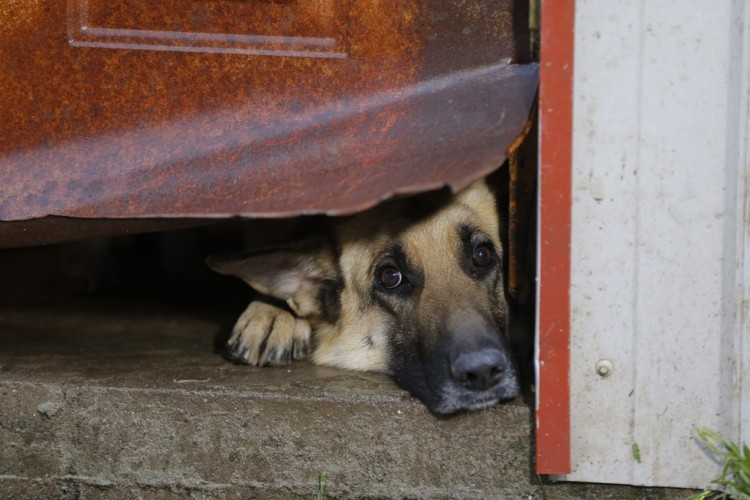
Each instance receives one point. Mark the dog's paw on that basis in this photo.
(268, 335)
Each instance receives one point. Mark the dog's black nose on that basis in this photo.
(480, 370)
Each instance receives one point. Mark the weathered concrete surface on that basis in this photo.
(132, 402)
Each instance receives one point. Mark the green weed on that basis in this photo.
(734, 481)
(322, 479)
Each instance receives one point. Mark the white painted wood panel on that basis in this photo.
(659, 274)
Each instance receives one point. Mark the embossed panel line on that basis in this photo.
(85, 30)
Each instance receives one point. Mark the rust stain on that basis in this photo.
(133, 109)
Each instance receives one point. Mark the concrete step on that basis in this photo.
(130, 401)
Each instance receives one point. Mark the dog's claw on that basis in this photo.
(271, 356)
(300, 350)
(244, 354)
(284, 358)
(276, 358)
(238, 353)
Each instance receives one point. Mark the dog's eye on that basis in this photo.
(482, 256)
(390, 277)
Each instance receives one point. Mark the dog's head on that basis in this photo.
(413, 288)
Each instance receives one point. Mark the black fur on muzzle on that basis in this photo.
(469, 367)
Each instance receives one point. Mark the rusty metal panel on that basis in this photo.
(115, 109)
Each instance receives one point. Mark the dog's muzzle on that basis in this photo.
(476, 379)
(470, 369)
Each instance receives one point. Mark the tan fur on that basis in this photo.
(334, 304)
(368, 235)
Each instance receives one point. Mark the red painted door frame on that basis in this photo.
(556, 120)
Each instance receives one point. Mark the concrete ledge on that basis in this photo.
(132, 402)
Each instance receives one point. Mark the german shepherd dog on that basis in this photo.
(413, 288)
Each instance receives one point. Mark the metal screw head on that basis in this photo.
(604, 368)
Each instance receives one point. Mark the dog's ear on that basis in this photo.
(302, 274)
